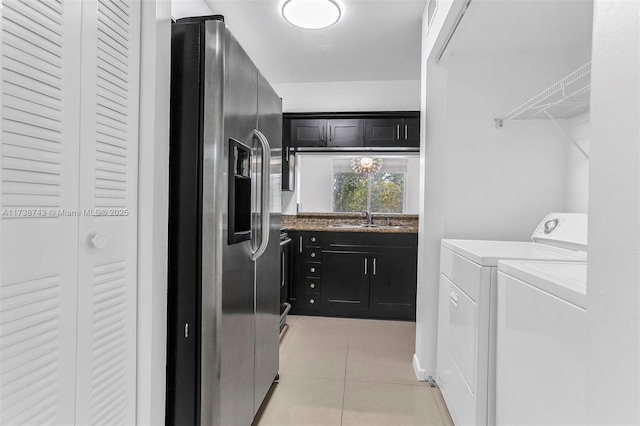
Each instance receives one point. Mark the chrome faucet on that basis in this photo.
(368, 216)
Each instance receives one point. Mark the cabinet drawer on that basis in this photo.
(312, 284)
(312, 269)
(312, 300)
(467, 275)
(312, 254)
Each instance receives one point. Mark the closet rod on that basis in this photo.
(453, 30)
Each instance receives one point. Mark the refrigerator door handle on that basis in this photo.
(266, 193)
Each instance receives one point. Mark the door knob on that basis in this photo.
(96, 241)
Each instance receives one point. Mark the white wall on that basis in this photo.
(613, 363)
(339, 96)
(153, 205)
(577, 167)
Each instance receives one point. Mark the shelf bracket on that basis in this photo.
(573, 141)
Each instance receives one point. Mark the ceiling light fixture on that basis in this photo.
(366, 166)
(311, 14)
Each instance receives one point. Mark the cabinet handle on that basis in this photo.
(313, 254)
(406, 128)
(323, 131)
(374, 266)
(286, 154)
(312, 285)
(365, 265)
(312, 301)
(300, 245)
(398, 132)
(282, 272)
(313, 239)
(312, 269)
(330, 135)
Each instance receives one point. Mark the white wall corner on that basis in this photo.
(153, 202)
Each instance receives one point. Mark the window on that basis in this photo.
(378, 192)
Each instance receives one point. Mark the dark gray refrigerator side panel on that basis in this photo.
(238, 327)
(185, 170)
(267, 283)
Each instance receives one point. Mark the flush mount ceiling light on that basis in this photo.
(311, 14)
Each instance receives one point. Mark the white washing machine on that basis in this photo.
(541, 359)
(467, 309)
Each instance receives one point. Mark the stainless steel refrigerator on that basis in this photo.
(224, 227)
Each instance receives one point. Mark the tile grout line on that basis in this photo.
(344, 388)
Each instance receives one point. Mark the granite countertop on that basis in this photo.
(323, 221)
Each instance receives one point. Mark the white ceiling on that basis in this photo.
(523, 26)
(374, 40)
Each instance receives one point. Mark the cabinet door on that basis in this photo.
(345, 133)
(288, 159)
(308, 132)
(383, 132)
(393, 285)
(411, 132)
(107, 301)
(345, 282)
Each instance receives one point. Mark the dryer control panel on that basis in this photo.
(566, 230)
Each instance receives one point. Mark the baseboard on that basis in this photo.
(421, 373)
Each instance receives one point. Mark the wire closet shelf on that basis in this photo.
(565, 99)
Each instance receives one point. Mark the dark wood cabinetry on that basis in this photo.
(345, 285)
(288, 159)
(411, 128)
(388, 131)
(370, 275)
(306, 271)
(392, 285)
(352, 130)
(308, 132)
(392, 132)
(345, 132)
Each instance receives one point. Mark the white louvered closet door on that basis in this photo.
(106, 377)
(40, 71)
(68, 194)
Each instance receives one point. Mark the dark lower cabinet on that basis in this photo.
(365, 275)
(345, 283)
(392, 285)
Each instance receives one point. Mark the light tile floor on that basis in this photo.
(339, 371)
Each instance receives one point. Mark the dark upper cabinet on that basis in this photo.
(411, 132)
(396, 129)
(392, 132)
(308, 133)
(382, 132)
(288, 158)
(345, 132)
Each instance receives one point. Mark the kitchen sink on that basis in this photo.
(366, 225)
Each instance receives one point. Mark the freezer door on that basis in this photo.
(267, 266)
(237, 345)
